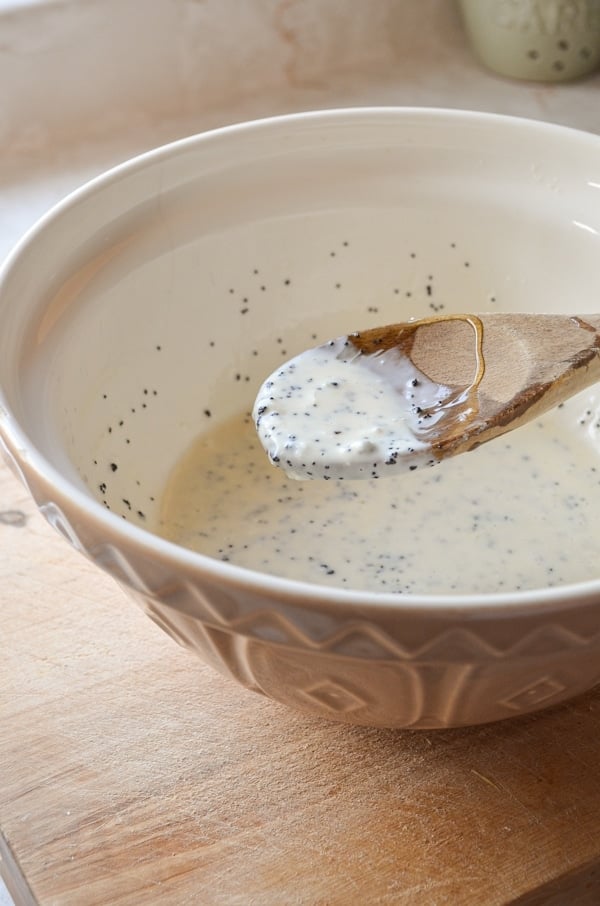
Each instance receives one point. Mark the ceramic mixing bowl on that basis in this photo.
(171, 286)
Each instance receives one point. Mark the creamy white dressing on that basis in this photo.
(332, 412)
(519, 513)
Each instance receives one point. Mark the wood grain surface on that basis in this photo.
(130, 773)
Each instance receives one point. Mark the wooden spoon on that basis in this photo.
(486, 374)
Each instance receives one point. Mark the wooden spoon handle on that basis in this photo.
(516, 366)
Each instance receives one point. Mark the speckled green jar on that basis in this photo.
(543, 40)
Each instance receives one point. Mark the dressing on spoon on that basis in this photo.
(399, 397)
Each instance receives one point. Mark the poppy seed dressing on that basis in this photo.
(519, 513)
(333, 412)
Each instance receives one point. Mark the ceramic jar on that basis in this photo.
(543, 40)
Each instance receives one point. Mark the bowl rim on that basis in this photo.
(109, 526)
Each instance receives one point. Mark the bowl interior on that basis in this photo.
(154, 302)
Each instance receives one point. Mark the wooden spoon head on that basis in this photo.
(416, 393)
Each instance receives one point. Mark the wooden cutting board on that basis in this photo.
(132, 774)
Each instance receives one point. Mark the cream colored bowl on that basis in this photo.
(110, 304)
